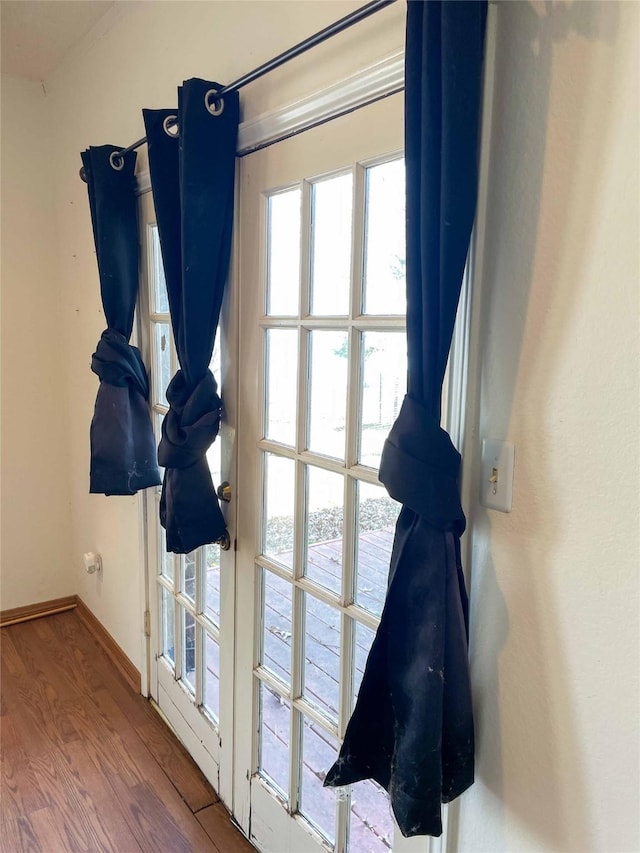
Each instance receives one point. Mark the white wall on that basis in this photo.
(555, 583)
(35, 528)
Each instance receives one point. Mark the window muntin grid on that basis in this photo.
(188, 586)
(326, 619)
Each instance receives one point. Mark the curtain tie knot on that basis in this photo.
(420, 467)
(192, 422)
(118, 363)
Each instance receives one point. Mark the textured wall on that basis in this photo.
(35, 530)
(555, 583)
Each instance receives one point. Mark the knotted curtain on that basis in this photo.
(192, 180)
(412, 727)
(123, 451)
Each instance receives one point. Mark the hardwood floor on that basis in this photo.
(87, 764)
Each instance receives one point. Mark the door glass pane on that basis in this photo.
(275, 719)
(211, 699)
(212, 588)
(384, 384)
(371, 825)
(157, 425)
(329, 353)
(188, 568)
(322, 655)
(376, 516)
(384, 281)
(364, 641)
(188, 650)
(279, 498)
(319, 752)
(162, 372)
(166, 559)
(283, 242)
(214, 364)
(159, 290)
(281, 385)
(214, 453)
(332, 203)
(214, 461)
(276, 643)
(167, 617)
(325, 512)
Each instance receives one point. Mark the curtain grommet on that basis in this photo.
(216, 108)
(116, 161)
(168, 123)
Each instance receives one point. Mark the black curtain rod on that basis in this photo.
(327, 33)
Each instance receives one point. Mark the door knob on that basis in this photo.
(224, 492)
(224, 541)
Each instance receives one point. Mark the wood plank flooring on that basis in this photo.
(87, 764)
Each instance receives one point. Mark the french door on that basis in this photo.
(322, 372)
(190, 597)
(258, 652)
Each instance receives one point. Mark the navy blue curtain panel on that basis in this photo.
(412, 727)
(123, 450)
(192, 179)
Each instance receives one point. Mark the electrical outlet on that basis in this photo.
(92, 562)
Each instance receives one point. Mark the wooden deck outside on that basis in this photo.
(371, 823)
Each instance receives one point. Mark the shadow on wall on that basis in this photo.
(522, 693)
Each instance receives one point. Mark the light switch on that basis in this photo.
(496, 486)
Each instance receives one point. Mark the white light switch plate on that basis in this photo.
(496, 483)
